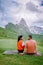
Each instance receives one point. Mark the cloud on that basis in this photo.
(41, 2)
(30, 6)
(14, 10)
(9, 9)
(23, 1)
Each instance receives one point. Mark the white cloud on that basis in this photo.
(14, 10)
(23, 1)
(0, 15)
(3, 23)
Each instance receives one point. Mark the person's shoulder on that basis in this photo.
(27, 41)
(20, 41)
(34, 41)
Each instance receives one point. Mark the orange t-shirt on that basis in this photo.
(31, 46)
(20, 45)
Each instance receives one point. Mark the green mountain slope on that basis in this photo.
(4, 33)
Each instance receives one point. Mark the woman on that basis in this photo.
(20, 45)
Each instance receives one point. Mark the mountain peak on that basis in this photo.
(22, 19)
(22, 22)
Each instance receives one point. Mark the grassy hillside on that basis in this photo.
(38, 38)
(4, 33)
(9, 34)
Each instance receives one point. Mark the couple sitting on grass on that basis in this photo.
(29, 46)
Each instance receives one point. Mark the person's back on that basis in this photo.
(20, 44)
(31, 46)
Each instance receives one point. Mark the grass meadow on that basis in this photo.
(10, 44)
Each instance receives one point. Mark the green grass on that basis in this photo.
(7, 34)
(20, 60)
(10, 44)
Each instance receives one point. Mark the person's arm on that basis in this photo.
(23, 45)
(35, 47)
(26, 46)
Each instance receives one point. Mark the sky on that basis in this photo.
(11, 11)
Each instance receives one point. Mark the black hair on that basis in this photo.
(19, 37)
(30, 36)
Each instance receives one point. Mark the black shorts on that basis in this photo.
(20, 51)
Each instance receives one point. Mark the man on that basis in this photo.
(30, 46)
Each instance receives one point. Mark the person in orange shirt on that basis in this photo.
(20, 45)
(30, 46)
